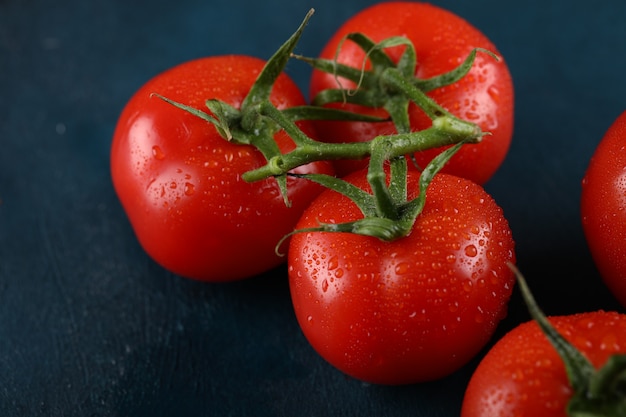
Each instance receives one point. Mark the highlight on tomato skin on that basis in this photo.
(411, 310)
(523, 375)
(180, 183)
(603, 207)
(442, 40)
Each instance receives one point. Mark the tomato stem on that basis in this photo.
(388, 85)
(446, 130)
(262, 88)
(597, 393)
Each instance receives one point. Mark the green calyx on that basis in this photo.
(388, 214)
(597, 392)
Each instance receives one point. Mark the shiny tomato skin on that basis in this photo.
(522, 375)
(411, 310)
(180, 182)
(442, 41)
(603, 207)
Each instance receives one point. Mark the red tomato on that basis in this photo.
(523, 375)
(442, 41)
(180, 182)
(603, 207)
(413, 309)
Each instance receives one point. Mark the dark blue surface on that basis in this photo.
(90, 326)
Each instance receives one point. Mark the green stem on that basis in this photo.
(578, 367)
(376, 176)
(399, 83)
(597, 393)
(262, 88)
(391, 86)
(446, 130)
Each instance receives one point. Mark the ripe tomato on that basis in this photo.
(180, 182)
(442, 41)
(409, 310)
(603, 207)
(523, 375)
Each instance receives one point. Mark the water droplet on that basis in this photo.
(173, 185)
(471, 251)
(157, 152)
(339, 273)
(332, 263)
(189, 188)
(494, 93)
(517, 375)
(479, 318)
(609, 342)
(324, 285)
(402, 268)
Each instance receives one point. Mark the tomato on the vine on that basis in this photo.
(603, 207)
(442, 40)
(413, 309)
(523, 375)
(180, 182)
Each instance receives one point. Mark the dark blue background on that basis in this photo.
(90, 326)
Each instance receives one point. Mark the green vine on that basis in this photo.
(597, 392)
(392, 86)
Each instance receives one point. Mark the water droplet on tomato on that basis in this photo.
(173, 185)
(471, 251)
(494, 93)
(339, 273)
(609, 342)
(480, 315)
(324, 285)
(479, 318)
(189, 188)
(158, 153)
(332, 263)
(543, 363)
(402, 268)
(517, 375)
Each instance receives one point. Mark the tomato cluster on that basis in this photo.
(399, 262)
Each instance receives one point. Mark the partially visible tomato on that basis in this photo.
(523, 375)
(442, 41)
(180, 182)
(413, 309)
(603, 207)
